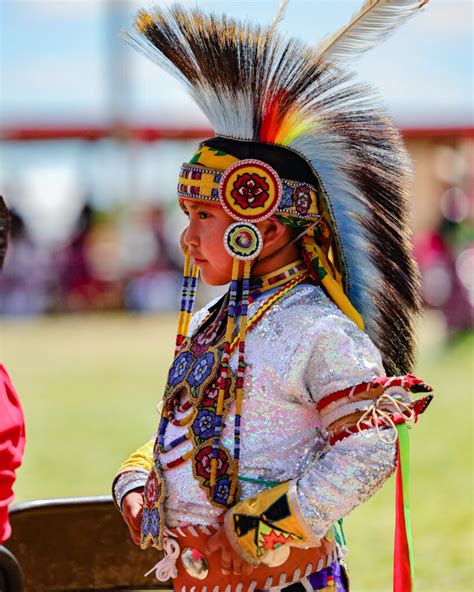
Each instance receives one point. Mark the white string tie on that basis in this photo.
(376, 415)
(166, 567)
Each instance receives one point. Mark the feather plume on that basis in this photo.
(279, 15)
(371, 25)
(255, 85)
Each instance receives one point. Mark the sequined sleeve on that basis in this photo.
(356, 466)
(342, 356)
(345, 477)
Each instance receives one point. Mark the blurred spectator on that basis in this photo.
(27, 277)
(446, 259)
(4, 230)
(153, 278)
(89, 266)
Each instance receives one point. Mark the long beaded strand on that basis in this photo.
(188, 296)
(224, 371)
(191, 298)
(183, 302)
(240, 377)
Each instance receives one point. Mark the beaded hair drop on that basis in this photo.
(239, 393)
(224, 372)
(188, 296)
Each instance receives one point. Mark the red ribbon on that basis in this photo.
(401, 563)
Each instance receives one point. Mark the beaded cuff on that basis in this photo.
(133, 472)
(127, 482)
(382, 402)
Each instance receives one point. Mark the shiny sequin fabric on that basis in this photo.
(301, 350)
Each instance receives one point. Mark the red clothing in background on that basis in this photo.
(12, 444)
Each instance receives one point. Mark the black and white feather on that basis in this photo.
(369, 26)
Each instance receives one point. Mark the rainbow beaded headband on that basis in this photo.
(247, 188)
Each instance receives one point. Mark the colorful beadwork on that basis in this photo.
(153, 520)
(274, 280)
(223, 376)
(188, 295)
(250, 190)
(243, 241)
(203, 401)
(299, 200)
(240, 379)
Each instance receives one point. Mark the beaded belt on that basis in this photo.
(186, 562)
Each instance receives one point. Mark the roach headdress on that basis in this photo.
(299, 138)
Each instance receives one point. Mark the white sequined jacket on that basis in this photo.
(302, 349)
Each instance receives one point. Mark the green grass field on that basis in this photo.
(90, 385)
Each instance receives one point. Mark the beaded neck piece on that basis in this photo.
(277, 277)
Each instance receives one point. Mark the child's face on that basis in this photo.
(204, 237)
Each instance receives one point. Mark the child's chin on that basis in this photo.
(212, 279)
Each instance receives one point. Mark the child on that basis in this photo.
(277, 417)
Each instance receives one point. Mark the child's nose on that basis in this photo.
(190, 236)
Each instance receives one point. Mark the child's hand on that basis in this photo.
(230, 560)
(132, 510)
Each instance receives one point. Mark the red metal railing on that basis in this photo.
(152, 134)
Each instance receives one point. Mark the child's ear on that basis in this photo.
(272, 231)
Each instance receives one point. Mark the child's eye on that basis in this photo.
(203, 215)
